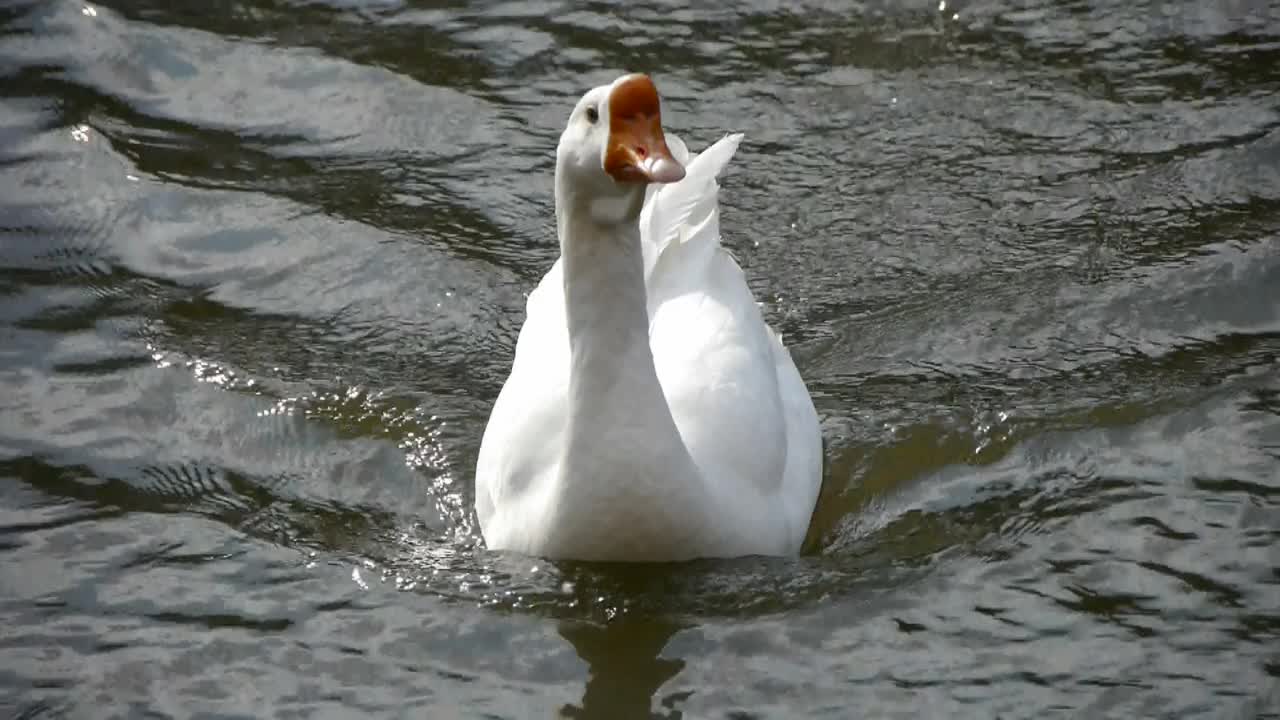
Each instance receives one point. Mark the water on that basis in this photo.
(263, 264)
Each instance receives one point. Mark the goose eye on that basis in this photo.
(592, 115)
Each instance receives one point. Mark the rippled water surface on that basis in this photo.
(263, 263)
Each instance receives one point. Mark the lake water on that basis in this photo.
(263, 263)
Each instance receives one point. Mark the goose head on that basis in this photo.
(613, 145)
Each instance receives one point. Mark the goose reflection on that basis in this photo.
(625, 667)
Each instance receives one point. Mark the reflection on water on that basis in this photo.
(262, 266)
(625, 667)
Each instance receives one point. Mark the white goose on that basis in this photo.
(651, 414)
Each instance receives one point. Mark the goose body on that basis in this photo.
(650, 414)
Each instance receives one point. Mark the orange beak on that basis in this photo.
(637, 150)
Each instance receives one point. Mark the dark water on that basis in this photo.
(263, 264)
